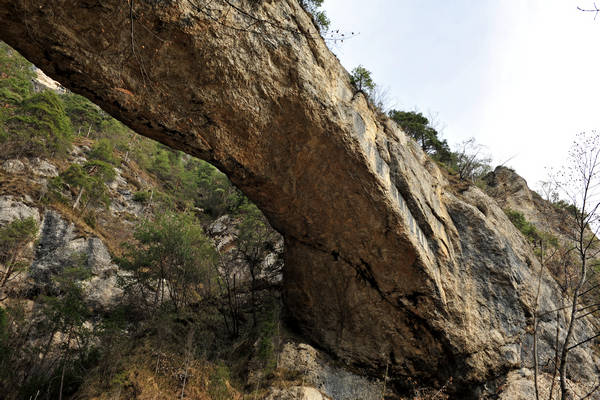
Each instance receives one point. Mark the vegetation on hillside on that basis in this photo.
(13, 238)
(466, 161)
(187, 301)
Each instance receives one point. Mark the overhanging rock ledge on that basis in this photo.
(384, 265)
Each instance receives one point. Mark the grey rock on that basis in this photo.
(43, 168)
(80, 160)
(60, 246)
(220, 225)
(318, 371)
(295, 393)
(118, 182)
(12, 209)
(13, 166)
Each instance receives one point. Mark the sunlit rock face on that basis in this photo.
(385, 266)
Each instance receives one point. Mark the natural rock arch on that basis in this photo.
(384, 266)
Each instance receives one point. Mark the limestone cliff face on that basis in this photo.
(385, 266)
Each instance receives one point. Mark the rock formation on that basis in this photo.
(386, 266)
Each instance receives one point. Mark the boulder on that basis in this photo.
(12, 208)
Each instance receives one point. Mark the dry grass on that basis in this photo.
(18, 185)
(152, 375)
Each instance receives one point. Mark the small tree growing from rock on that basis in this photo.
(361, 78)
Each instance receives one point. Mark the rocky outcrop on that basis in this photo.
(316, 370)
(511, 192)
(60, 246)
(295, 393)
(385, 266)
(12, 208)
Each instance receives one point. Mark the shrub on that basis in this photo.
(86, 117)
(39, 127)
(418, 127)
(520, 222)
(16, 74)
(103, 150)
(171, 264)
(91, 179)
(218, 387)
(143, 196)
(100, 169)
(13, 238)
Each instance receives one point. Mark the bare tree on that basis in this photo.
(471, 163)
(579, 183)
(255, 240)
(594, 10)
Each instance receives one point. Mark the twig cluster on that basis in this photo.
(594, 10)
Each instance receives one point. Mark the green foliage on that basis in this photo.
(35, 360)
(520, 222)
(217, 196)
(417, 126)
(218, 387)
(13, 238)
(103, 150)
(16, 74)
(163, 162)
(255, 237)
(90, 218)
(83, 113)
(91, 178)
(266, 342)
(319, 16)
(88, 118)
(68, 309)
(171, 264)
(172, 274)
(143, 196)
(38, 127)
(14, 235)
(197, 183)
(101, 170)
(3, 333)
(569, 208)
(254, 241)
(361, 78)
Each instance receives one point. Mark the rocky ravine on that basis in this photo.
(385, 266)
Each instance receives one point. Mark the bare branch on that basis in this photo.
(591, 392)
(584, 341)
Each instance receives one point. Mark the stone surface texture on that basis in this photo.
(60, 246)
(385, 265)
(12, 208)
(319, 371)
(295, 393)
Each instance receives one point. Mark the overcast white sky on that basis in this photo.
(521, 76)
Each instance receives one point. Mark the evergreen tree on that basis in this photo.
(361, 78)
(320, 18)
(39, 126)
(417, 127)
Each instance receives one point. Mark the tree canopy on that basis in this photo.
(418, 127)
